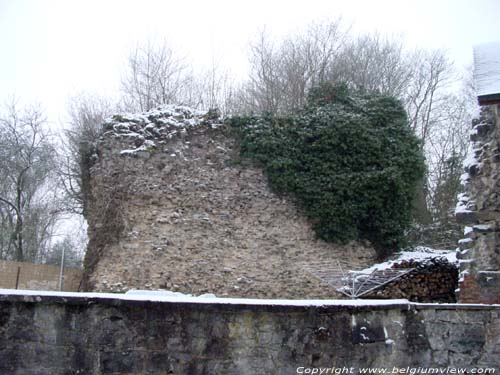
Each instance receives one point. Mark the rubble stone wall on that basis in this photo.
(190, 216)
(479, 210)
(86, 335)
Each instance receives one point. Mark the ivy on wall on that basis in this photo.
(349, 159)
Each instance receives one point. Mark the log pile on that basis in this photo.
(432, 280)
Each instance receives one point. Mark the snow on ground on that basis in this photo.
(420, 253)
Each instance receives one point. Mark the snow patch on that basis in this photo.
(464, 204)
(420, 253)
(471, 159)
(146, 129)
(464, 178)
(482, 227)
(462, 275)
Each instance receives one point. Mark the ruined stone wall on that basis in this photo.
(60, 334)
(479, 209)
(188, 215)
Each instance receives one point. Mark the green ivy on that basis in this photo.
(349, 159)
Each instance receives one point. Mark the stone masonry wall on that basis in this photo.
(479, 209)
(66, 335)
(188, 215)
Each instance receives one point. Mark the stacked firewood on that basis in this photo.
(432, 280)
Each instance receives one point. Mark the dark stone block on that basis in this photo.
(120, 362)
(415, 333)
(368, 330)
(366, 334)
(466, 217)
(82, 361)
(216, 347)
(487, 279)
(22, 330)
(157, 334)
(46, 356)
(115, 333)
(160, 361)
(5, 309)
(10, 359)
(467, 338)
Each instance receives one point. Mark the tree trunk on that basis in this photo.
(421, 212)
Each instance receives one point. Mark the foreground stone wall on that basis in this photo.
(58, 335)
(190, 216)
(479, 209)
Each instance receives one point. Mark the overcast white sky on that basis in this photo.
(55, 48)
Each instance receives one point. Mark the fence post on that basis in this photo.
(61, 272)
(17, 275)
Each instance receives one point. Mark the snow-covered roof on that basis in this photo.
(487, 69)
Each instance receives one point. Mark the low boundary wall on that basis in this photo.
(69, 333)
(24, 275)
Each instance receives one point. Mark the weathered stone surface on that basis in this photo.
(483, 231)
(81, 335)
(192, 217)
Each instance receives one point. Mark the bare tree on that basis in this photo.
(447, 147)
(373, 63)
(28, 207)
(155, 75)
(263, 86)
(210, 88)
(78, 144)
(282, 73)
(431, 75)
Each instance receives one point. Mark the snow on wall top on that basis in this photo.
(487, 68)
(166, 296)
(37, 295)
(149, 129)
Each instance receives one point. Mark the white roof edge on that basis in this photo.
(487, 68)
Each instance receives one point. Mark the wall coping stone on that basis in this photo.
(116, 299)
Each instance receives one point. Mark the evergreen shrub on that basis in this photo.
(350, 160)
